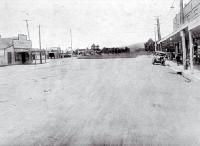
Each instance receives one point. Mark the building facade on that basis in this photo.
(190, 12)
(54, 52)
(38, 55)
(16, 50)
(184, 41)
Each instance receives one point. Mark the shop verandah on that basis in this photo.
(30, 56)
(39, 56)
(183, 45)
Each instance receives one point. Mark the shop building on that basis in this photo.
(184, 41)
(39, 56)
(16, 50)
(54, 52)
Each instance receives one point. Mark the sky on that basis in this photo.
(108, 23)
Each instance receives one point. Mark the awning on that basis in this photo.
(174, 33)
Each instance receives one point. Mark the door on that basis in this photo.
(23, 58)
(9, 58)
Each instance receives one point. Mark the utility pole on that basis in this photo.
(183, 34)
(29, 50)
(40, 45)
(27, 27)
(155, 39)
(158, 28)
(181, 12)
(71, 40)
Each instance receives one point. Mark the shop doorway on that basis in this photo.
(51, 55)
(9, 58)
(25, 57)
(21, 57)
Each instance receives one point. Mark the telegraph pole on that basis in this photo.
(29, 50)
(71, 40)
(158, 28)
(183, 38)
(155, 39)
(181, 12)
(40, 45)
(27, 27)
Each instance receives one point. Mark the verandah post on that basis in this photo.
(191, 50)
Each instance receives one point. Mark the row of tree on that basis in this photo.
(105, 50)
(115, 50)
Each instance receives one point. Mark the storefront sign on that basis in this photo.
(21, 50)
(22, 44)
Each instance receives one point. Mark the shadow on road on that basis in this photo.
(180, 74)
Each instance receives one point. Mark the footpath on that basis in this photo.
(192, 75)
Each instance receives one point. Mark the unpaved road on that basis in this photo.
(73, 102)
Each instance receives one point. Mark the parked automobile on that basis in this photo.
(159, 58)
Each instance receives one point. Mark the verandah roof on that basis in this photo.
(173, 33)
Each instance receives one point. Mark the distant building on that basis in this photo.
(15, 50)
(83, 51)
(38, 55)
(54, 52)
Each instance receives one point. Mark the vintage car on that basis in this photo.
(159, 58)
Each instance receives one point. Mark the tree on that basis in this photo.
(150, 45)
(127, 50)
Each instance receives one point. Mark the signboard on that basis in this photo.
(22, 44)
(21, 50)
(22, 37)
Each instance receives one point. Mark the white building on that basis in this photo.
(16, 50)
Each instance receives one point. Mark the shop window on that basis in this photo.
(18, 57)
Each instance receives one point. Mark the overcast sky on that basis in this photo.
(104, 22)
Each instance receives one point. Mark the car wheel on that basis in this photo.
(153, 61)
(163, 63)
